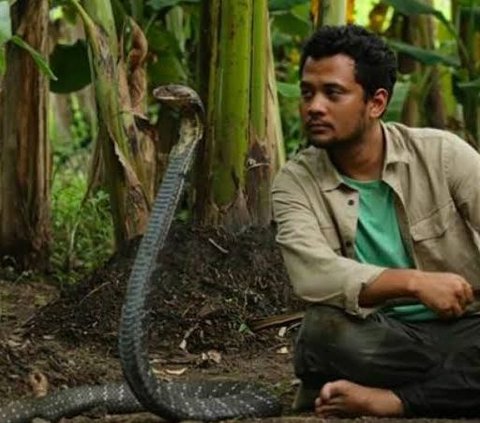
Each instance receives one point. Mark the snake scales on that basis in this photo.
(174, 401)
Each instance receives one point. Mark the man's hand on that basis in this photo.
(447, 294)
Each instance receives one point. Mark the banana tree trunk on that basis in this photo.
(426, 93)
(265, 128)
(243, 135)
(469, 35)
(127, 161)
(24, 149)
(331, 12)
(435, 100)
(231, 102)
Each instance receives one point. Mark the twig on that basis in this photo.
(280, 319)
(220, 248)
(93, 292)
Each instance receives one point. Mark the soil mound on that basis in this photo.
(209, 284)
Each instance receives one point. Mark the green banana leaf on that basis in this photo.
(427, 57)
(162, 4)
(166, 70)
(6, 35)
(475, 84)
(291, 24)
(284, 5)
(395, 108)
(41, 62)
(288, 90)
(5, 22)
(416, 7)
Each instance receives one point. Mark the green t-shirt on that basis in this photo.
(378, 240)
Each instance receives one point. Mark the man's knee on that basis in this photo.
(329, 339)
(330, 328)
(376, 351)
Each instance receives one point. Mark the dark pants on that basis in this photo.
(433, 367)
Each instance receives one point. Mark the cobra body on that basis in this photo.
(174, 401)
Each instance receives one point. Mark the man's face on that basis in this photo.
(332, 105)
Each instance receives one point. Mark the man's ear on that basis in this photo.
(378, 103)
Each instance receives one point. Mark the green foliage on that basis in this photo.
(168, 65)
(6, 35)
(471, 84)
(162, 4)
(417, 7)
(136, 8)
(172, 31)
(400, 94)
(82, 229)
(41, 62)
(75, 148)
(5, 22)
(160, 40)
(5, 32)
(281, 5)
(288, 90)
(291, 24)
(463, 72)
(291, 18)
(424, 56)
(167, 70)
(473, 14)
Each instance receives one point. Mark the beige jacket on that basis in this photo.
(435, 177)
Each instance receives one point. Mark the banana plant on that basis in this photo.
(239, 155)
(330, 12)
(463, 64)
(7, 36)
(24, 147)
(119, 81)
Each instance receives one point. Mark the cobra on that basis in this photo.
(173, 401)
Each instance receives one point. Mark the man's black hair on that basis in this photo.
(375, 62)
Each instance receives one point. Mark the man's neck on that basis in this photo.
(362, 160)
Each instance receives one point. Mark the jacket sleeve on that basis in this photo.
(317, 273)
(462, 166)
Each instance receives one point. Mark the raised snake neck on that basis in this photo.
(174, 401)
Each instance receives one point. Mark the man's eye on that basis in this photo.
(333, 92)
(306, 94)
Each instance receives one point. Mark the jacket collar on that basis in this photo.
(328, 176)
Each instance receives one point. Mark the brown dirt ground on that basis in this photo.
(210, 286)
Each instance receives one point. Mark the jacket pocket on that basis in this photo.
(443, 242)
(435, 225)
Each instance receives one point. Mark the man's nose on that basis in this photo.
(317, 105)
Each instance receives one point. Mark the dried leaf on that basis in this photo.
(176, 372)
(13, 344)
(137, 81)
(39, 383)
(212, 355)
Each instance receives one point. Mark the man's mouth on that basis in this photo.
(319, 127)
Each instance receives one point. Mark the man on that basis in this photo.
(378, 226)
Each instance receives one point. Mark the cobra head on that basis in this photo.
(179, 97)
